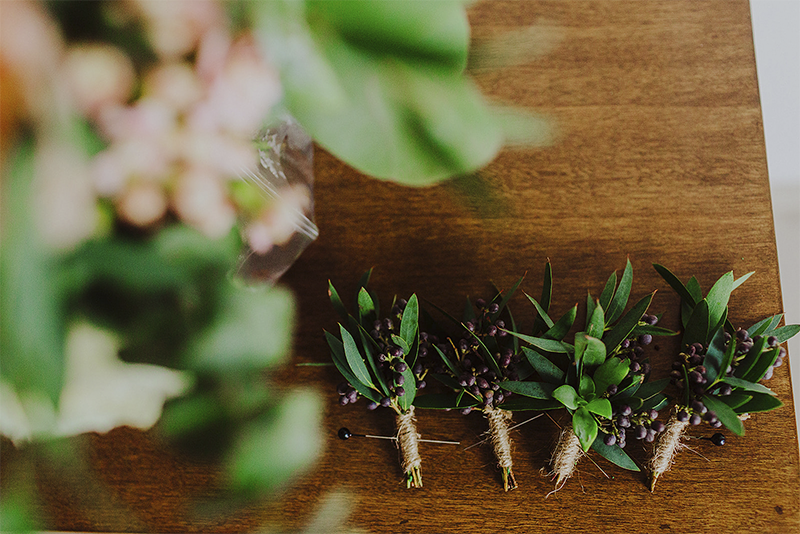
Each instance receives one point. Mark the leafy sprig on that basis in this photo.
(719, 369)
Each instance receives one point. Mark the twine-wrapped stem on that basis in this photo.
(408, 441)
(667, 446)
(501, 442)
(565, 457)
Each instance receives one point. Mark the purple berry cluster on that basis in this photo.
(477, 376)
(633, 348)
(625, 422)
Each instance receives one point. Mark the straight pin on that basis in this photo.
(345, 433)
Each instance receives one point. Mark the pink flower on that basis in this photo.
(97, 75)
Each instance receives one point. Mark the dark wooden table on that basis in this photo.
(660, 159)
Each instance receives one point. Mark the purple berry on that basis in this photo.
(683, 416)
(695, 419)
(658, 426)
(372, 405)
(610, 439)
(645, 339)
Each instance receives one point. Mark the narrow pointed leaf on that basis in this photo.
(469, 311)
(715, 356)
(762, 326)
(400, 342)
(535, 390)
(597, 322)
(614, 454)
(364, 280)
(744, 385)
(340, 361)
(676, 284)
(741, 280)
(507, 297)
(547, 370)
(693, 287)
(765, 360)
(608, 291)
(520, 403)
(562, 327)
(649, 389)
(488, 355)
(410, 387)
(620, 300)
(718, 297)
(590, 306)
(759, 403)
(725, 414)
(543, 316)
(547, 345)
(337, 303)
(750, 360)
(594, 353)
(371, 351)
(735, 400)
(366, 308)
(450, 366)
(547, 294)
(625, 326)
(784, 333)
(697, 328)
(354, 358)
(410, 320)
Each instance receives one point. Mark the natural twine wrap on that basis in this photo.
(565, 457)
(666, 447)
(501, 442)
(408, 441)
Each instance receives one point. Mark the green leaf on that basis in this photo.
(410, 320)
(406, 400)
(766, 360)
(567, 396)
(698, 325)
(354, 359)
(614, 454)
(252, 330)
(784, 333)
(562, 327)
(724, 413)
(741, 280)
(629, 387)
(444, 401)
(649, 389)
(625, 326)
(760, 402)
(751, 360)
(735, 400)
(363, 282)
(547, 345)
(693, 287)
(744, 385)
(336, 301)
(535, 390)
(585, 427)
(543, 316)
(282, 443)
(520, 404)
(340, 361)
(715, 356)
(717, 299)
(589, 352)
(547, 370)
(608, 291)
(590, 306)
(597, 322)
(514, 328)
(366, 308)
(586, 387)
(638, 330)
(656, 402)
(612, 371)
(371, 350)
(620, 300)
(469, 311)
(450, 366)
(400, 342)
(762, 326)
(447, 380)
(547, 294)
(506, 298)
(601, 407)
(676, 285)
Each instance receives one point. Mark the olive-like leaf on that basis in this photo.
(763, 325)
(562, 327)
(617, 305)
(547, 345)
(608, 291)
(760, 402)
(450, 366)
(765, 361)
(597, 322)
(724, 413)
(400, 342)
(675, 283)
(410, 321)
(614, 454)
(336, 301)
(535, 390)
(547, 370)
(751, 359)
(698, 325)
(735, 400)
(406, 400)
(354, 358)
(625, 326)
(715, 356)
(520, 403)
(717, 299)
(612, 371)
(543, 316)
(507, 297)
(784, 333)
(744, 385)
(366, 308)
(547, 294)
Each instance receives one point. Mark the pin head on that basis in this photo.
(344, 433)
(718, 439)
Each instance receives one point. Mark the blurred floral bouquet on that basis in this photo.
(140, 160)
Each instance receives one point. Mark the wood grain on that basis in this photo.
(660, 158)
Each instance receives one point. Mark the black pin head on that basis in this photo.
(344, 433)
(718, 439)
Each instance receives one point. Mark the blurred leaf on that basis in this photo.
(547, 370)
(724, 413)
(535, 390)
(277, 446)
(567, 396)
(614, 454)
(478, 192)
(524, 129)
(585, 427)
(513, 47)
(620, 300)
(251, 330)
(31, 307)
(410, 321)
